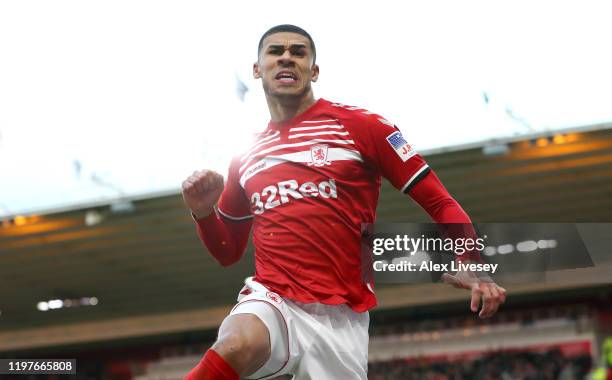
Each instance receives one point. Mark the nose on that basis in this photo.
(285, 58)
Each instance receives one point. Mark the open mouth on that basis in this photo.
(286, 77)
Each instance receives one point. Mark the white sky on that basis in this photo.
(143, 92)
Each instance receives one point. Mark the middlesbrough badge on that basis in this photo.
(318, 156)
(274, 297)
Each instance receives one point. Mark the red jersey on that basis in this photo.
(309, 183)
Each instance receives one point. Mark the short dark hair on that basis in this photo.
(288, 28)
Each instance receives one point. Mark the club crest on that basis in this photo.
(274, 297)
(318, 156)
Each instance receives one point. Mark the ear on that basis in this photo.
(256, 71)
(315, 72)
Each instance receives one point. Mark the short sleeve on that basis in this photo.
(386, 148)
(233, 204)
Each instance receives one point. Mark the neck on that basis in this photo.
(282, 108)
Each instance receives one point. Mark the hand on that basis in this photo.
(492, 294)
(201, 191)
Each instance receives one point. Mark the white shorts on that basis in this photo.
(308, 341)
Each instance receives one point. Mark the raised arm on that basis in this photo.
(226, 239)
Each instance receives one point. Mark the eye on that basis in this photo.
(299, 52)
(275, 51)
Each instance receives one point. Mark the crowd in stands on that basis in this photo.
(539, 363)
(579, 313)
(549, 365)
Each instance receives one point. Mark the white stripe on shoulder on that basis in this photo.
(333, 154)
(318, 134)
(230, 217)
(414, 176)
(268, 137)
(325, 126)
(318, 121)
(260, 143)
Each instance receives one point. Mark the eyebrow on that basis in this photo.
(282, 46)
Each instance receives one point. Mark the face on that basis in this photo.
(285, 65)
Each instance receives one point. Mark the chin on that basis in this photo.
(288, 93)
(285, 92)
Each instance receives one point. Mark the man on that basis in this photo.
(306, 185)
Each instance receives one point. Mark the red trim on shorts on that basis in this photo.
(286, 330)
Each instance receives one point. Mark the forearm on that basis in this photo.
(443, 209)
(225, 240)
(431, 195)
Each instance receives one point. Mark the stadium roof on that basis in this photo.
(142, 260)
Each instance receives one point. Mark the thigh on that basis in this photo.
(243, 342)
(278, 340)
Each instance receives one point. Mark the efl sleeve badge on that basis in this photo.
(400, 145)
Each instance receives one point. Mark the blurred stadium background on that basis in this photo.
(127, 289)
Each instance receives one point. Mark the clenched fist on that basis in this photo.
(201, 190)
